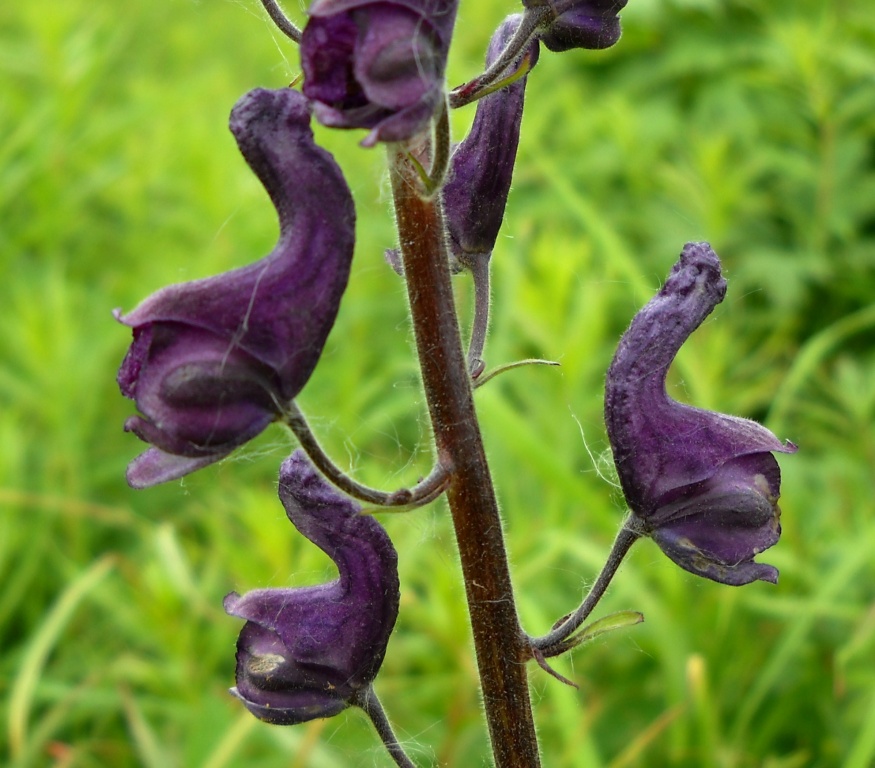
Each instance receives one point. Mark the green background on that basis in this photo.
(749, 124)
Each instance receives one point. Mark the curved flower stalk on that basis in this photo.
(309, 652)
(212, 360)
(589, 24)
(703, 485)
(377, 65)
(481, 169)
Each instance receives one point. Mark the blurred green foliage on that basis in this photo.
(749, 124)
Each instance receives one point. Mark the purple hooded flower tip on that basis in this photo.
(377, 65)
(591, 24)
(213, 360)
(304, 653)
(703, 485)
(482, 165)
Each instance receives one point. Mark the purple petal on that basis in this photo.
(718, 525)
(704, 485)
(332, 42)
(397, 64)
(212, 396)
(213, 360)
(154, 466)
(281, 308)
(683, 551)
(660, 444)
(282, 708)
(306, 651)
(276, 688)
(377, 65)
(591, 24)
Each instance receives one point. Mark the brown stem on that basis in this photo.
(500, 644)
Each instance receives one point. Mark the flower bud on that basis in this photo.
(481, 167)
(703, 485)
(377, 65)
(304, 653)
(213, 360)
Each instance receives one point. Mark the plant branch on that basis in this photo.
(282, 21)
(422, 493)
(440, 163)
(553, 643)
(478, 263)
(434, 178)
(480, 86)
(501, 647)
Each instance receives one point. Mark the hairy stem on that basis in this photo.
(480, 85)
(425, 491)
(281, 20)
(478, 263)
(368, 701)
(553, 643)
(501, 646)
(440, 163)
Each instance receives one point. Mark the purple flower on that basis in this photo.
(482, 165)
(581, 23)
(213, 360)
(703, 485)
(304, 653)
(377, 65)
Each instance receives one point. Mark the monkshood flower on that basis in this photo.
(377, 65)
(476, 193)
(703, 485)
(305, 652)
(212, 359)
(589, 24)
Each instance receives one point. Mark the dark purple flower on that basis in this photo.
(703, 485)
(377, 65)
(589, 24)
(304, 653)
(481, 167)
(212, 359)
